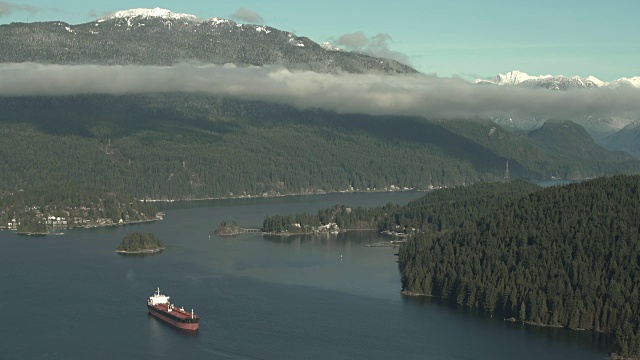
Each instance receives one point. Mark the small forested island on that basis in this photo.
(229, 228)
(564, 256)
(140, 243)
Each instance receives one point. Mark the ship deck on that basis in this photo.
(176, 311)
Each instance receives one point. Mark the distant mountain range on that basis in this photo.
(626, 139)
(615, 133)
(558, 82)
(160, 37)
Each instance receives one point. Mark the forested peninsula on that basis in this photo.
(564, 256)
(336, 218)
(435, 211)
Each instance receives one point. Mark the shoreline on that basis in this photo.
(93, 226)
(85, 226)
(286, 234)
(145, 251)
(314, 232)
(410, 293)
(32, 233)
(327, 192)
(283, 195)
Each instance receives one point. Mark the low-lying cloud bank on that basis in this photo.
(375, 94)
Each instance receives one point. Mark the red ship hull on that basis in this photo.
(176, 319)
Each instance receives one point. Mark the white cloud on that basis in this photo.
(376, 45)
(416, 94)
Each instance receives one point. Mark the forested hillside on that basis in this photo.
(436, 211)
(562, 256)
(177, 146)
(559, 149)
(446, 209)
(627, 139)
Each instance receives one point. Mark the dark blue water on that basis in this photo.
(73, 297)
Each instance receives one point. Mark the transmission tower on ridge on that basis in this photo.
(507, 177)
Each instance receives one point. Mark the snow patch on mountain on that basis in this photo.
(515, 77)
(329, 46)
(219, 21)
(149, 13)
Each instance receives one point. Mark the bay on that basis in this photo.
(329, 297)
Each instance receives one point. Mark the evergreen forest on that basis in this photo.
(562, 256)
(346, 218)
(140, 242)
(190, 146)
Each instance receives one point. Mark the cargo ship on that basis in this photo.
(160, 307)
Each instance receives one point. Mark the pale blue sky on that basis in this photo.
(447, 38)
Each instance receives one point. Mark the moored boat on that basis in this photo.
(160, 307)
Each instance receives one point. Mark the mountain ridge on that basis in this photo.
(160, 37)
(148, 13)
(557, 82)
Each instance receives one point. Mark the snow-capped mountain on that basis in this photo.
(600, 128)
(513, 78)
(558, 82)
(149, 13)
(626, 82)
(161, 37)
